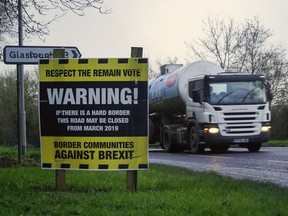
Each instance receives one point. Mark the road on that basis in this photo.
(270, 164)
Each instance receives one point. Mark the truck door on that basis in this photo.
(194, 105)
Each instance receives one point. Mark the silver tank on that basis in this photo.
(168, 92)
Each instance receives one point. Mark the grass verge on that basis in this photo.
(276, 143)
(162, 190)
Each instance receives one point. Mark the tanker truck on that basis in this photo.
(200, 106)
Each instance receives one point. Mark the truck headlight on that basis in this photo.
(214, 130)
(265, 128)
(211, 130)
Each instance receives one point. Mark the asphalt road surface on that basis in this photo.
(270, 164)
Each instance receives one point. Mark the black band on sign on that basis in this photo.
(83, 61)
(103, 166)
(83, 166)
(143, 61)
(63, 61)
(65, 165)
(143, 166)
(123, 166)
(44, 61)
(123, 61)
(102, 61)
(46, 165)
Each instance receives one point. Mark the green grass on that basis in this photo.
(277, 143)
(162, 190)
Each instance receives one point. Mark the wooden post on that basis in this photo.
(131, 177)
(131, 180)
(60, 174)
(60, 180)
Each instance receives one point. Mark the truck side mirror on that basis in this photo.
(196, 96)
(269, 92)
(270, 95)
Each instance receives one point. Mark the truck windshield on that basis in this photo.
(248, 92)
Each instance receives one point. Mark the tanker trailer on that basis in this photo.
(199, 105)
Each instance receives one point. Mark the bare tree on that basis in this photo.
(274, 64)
(38, 14)
(5, 23)
(252, 46)
(6, 16)
(244, 48)
(220, 42)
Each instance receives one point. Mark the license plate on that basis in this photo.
(241, 140)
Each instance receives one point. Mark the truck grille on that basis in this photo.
(239, 123)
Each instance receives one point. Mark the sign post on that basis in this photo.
(60, 174)
(131, 176)
(22, 142)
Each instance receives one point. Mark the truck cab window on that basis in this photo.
(248, 92)
(196, 87)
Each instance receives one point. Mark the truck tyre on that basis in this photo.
(194, 141)
(167, 140)
(151, 131)
(254, 147)
(219, 148)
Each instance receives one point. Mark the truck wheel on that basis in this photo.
(194, 141)
(167, 140)
(151, 131)
(254, 147)
(219, 148)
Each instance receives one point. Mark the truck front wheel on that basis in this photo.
(254, 147)
(194, 141)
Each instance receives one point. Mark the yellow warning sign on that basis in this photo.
(93, 114)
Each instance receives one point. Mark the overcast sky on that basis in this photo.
(159, 26)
